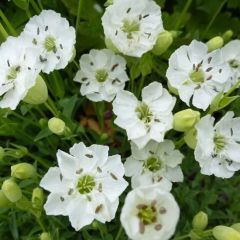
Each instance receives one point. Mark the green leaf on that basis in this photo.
(226, 101)
(43, 134)
(23, 4)
(68, 105)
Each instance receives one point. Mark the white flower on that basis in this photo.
(54, 39)
(149, 213)
(18, 71)
(197, 74)
(231, 54)
(102, 75)
(155, 163)
(218, 147)
(85, 186)
(147, 119)
(133, 25)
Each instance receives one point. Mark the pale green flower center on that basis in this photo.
(197, 76)
(130, 27)
(101, 75)
(147, 214)
(144, 113)
(153, 164)
(219, 142)
(234, 63)
(50, 44)
(13, 72)
(86, 184)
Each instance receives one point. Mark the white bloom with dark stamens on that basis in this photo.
(231, 54)
(85, 186)
(197, 74)
(18, 71)
(154, 163)
(133, 25)
(149, 213)
(54, 39)
(148, 119)
(218, 146)
(102, 75)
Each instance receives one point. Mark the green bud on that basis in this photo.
(56, 125)
(163, 42)
(4, 202)
(108, 3)
(11, 190)
(215, 43)
(109, 44)
(45, 236)
(185, 120)
(227, 36)
(1, 153)
(236, 226)
(23, 171)
(43, 122)
(37, 198)
(200, 221)
(225, 233)
(38, 94)
(190, 138)
(172, 89)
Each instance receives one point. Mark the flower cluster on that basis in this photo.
(42, 46)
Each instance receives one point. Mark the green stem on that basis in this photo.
(39, 160)
(183, 13)
(80, 2)
(50, 109)
(214, 17)
(232, 89)
(8, 24)
(75, 62)
(119, 233)
(52, 104)
(140, 86)
(180, 142)
(182, 237)
(35, 6)
(3, 32)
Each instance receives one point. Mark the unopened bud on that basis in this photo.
(109, 44)
(45, 236)
(215, 43)
(163, 42)
(56, 125)
(37, 198)
(190, 138)
(38, 94)
(227, 36)
(43, 122)
(108, 3)
(172, 89)
(200, 221)
(23, 171)
(4, 202)
(225, 233)
(236, 226)
(185, 120)
(11, 190)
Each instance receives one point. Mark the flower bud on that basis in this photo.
(200, 221)
(108, 3)
(172, 89)
(227, 36)
(23, 171)
(190, 138)
(38, 94)
(236, 226)
(56, 125)
(185, 120)
(45, 236)
(37, 198)
(163, 42)
(4, 202)
(11, 190)
(109, 44)
(215, 43)
(225, 233)
(43, 122)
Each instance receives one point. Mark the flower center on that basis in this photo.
(144, 113)
(50, 44)
(153, 164)
(101, 75)
(13, 72)
(147, 214)
(86, 184)
(219, 142)
(234, 63)
(130, 27)
(197, 76)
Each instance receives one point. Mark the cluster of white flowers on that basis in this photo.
(42, 46)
